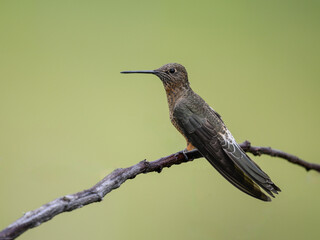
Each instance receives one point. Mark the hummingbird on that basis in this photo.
(203, 129)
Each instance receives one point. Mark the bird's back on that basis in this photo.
(205, 130)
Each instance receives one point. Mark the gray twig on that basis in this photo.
(116, 178)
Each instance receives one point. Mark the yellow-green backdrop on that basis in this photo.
(68, 117)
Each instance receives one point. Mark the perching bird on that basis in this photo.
(204, 129)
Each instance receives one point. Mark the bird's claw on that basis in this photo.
(184, 152)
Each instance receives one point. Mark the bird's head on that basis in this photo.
(172, 75)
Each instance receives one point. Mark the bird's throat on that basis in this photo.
(174, 93)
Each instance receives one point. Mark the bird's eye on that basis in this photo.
(172, 70)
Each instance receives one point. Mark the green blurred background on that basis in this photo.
(68, 117)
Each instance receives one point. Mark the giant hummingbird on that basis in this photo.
(204, 130)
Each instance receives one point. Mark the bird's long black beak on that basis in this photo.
(147, 72)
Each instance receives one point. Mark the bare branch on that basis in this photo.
(115, 179)
(257, 151)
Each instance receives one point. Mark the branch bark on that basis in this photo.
(119, 176)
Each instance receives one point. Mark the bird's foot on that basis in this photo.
(184, 152)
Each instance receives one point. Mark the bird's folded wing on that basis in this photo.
(242, 160)
(203, 135)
